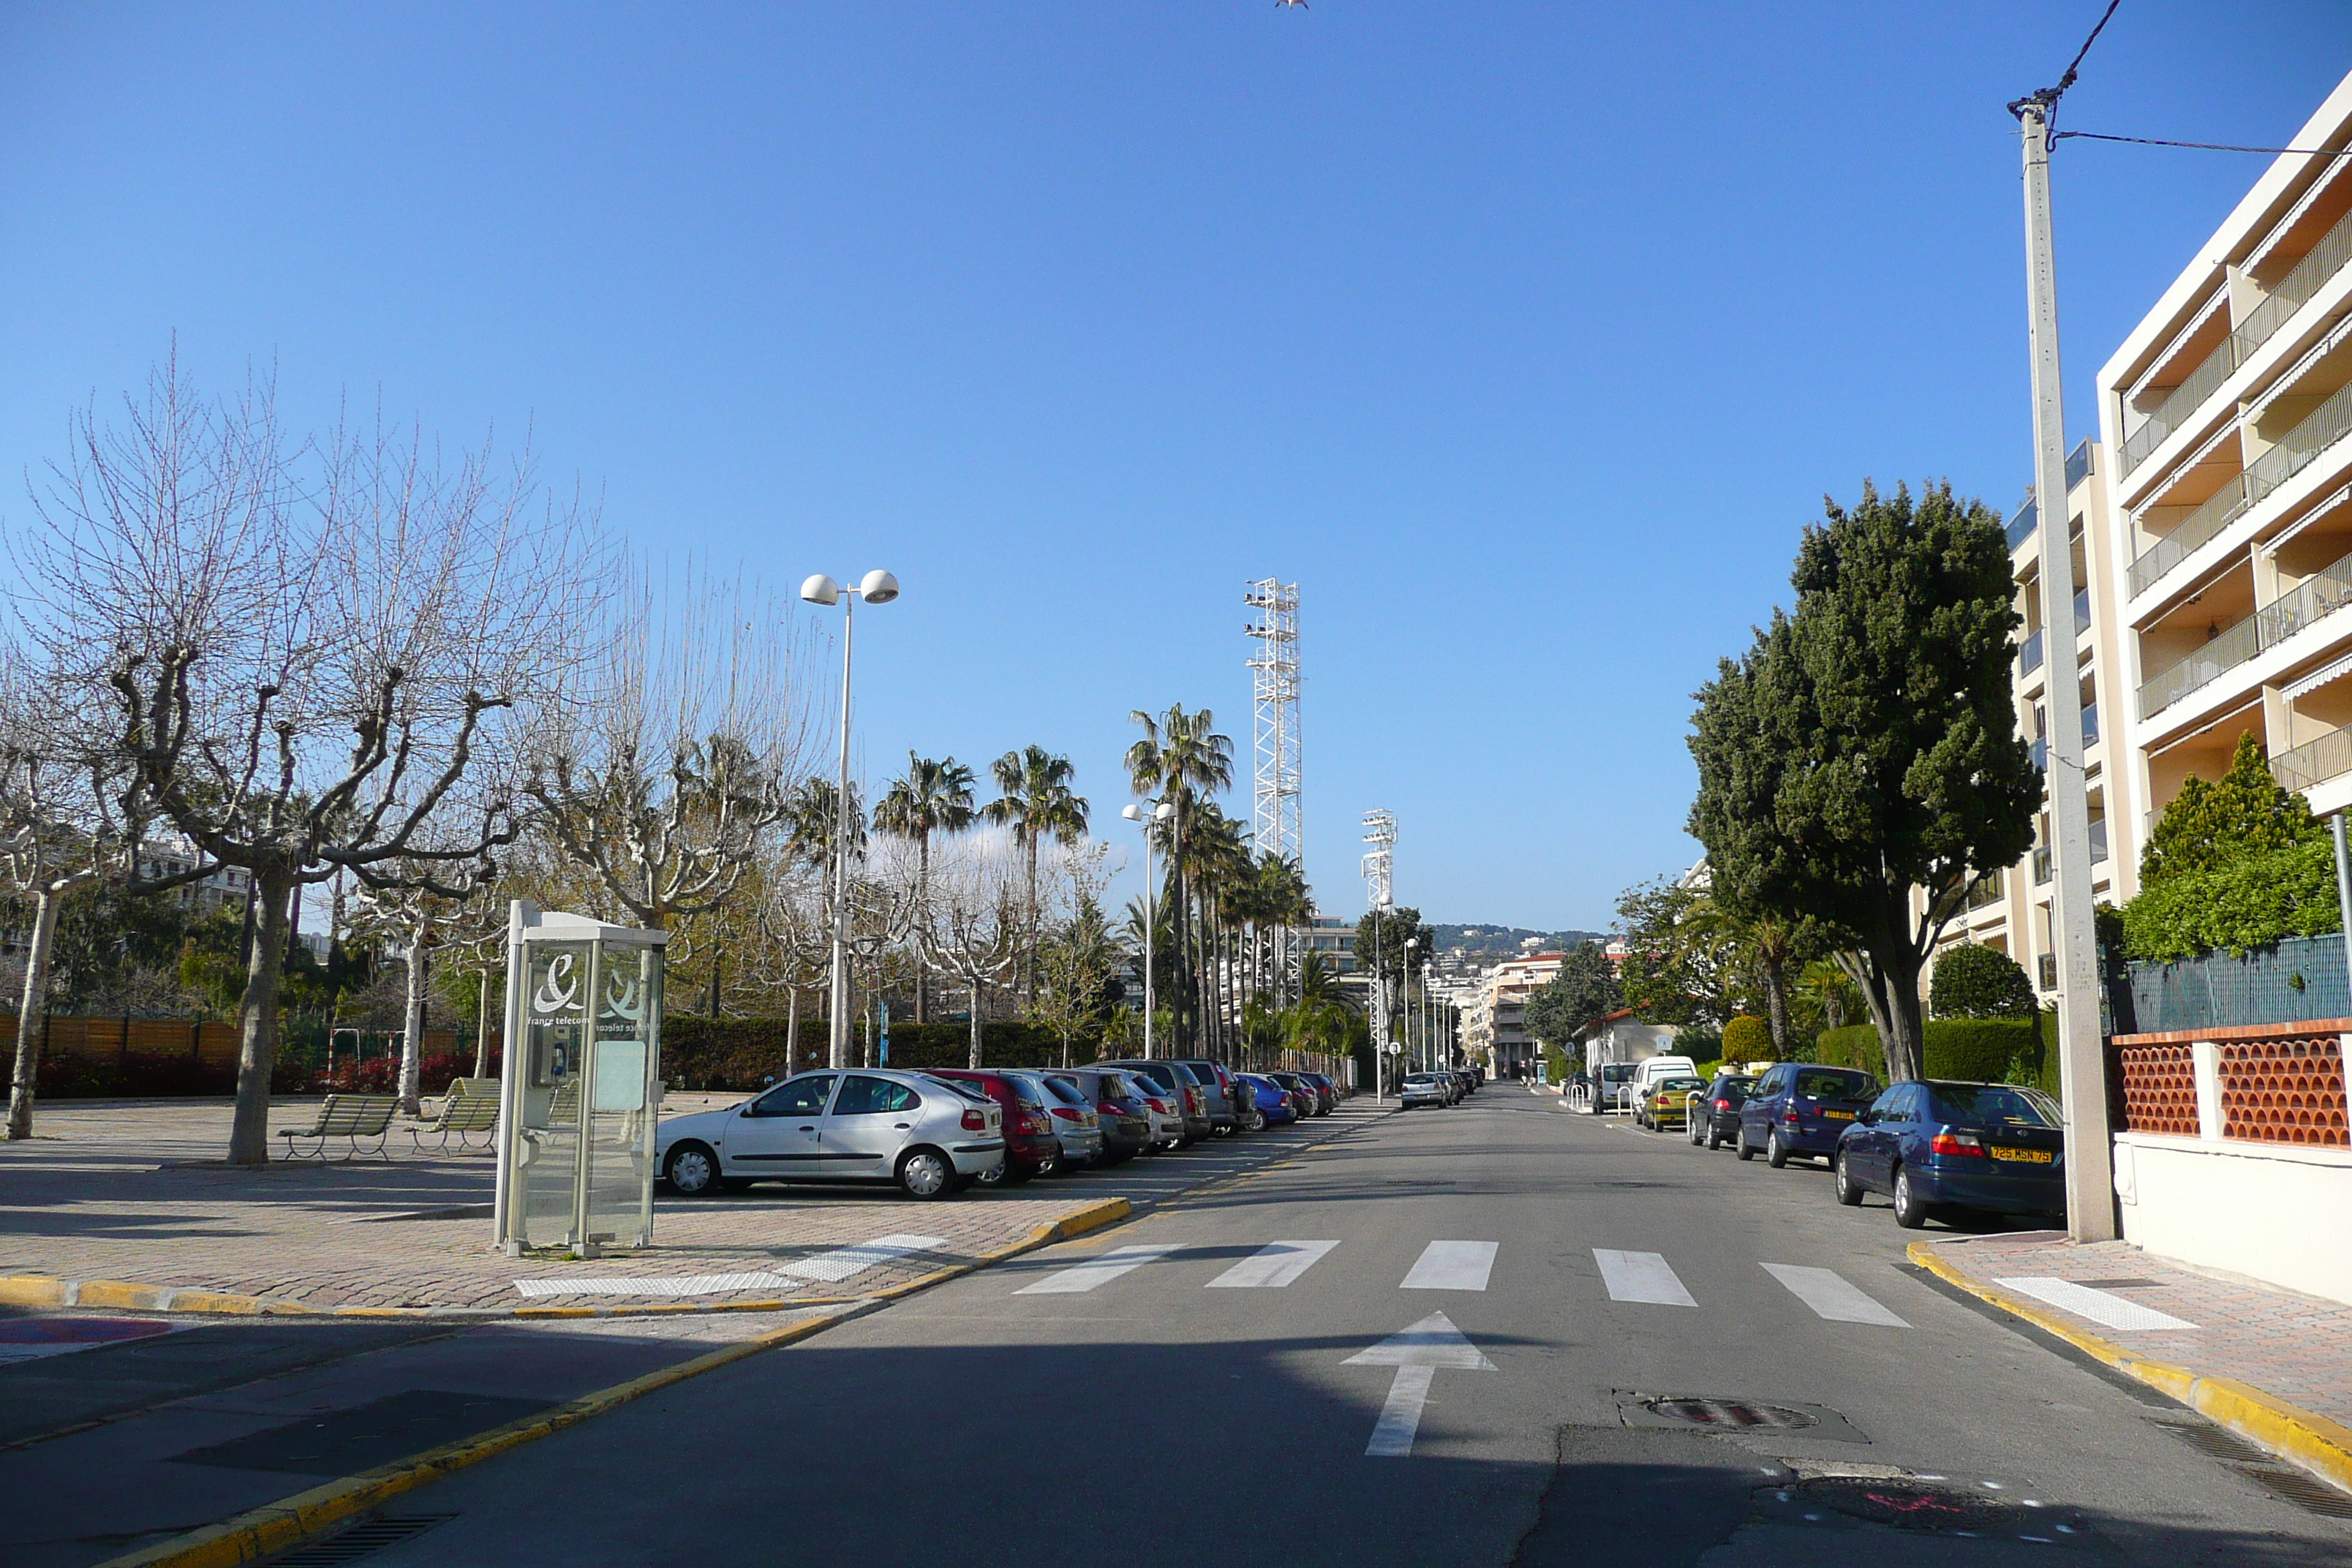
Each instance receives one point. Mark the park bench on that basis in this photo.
(347, 1116)
(471, 1106)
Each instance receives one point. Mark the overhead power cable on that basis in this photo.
(2208, 146)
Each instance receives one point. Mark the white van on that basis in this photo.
(1654, 1069)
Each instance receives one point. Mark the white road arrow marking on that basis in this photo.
(1416, 1352)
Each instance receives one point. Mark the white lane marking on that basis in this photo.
(656, 1285)
(843, 1262)
(1098, 1271)
(2112, 1311)
(1452, 1266)
(1273, 1266)
(1830, 1295)
(1641, 1276)
(1416, 1352)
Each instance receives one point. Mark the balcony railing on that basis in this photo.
(2040, 751)
(2320, 429)
(2327, 591)
(2315, 761)
(2049, 968)
(2322, 261)
(2022, 526)
(2091, 725)
(2078, 464)
(2029, 657)
(1986, 891)
(2098, 841)
(2042, 866)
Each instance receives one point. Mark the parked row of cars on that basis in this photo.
(1443, 1087)
(942, 1131)
(1933, 1145)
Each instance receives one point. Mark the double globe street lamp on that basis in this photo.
(877, 587)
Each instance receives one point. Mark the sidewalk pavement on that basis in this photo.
(122, 1205)
(2272, 1365)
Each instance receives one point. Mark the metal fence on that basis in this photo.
(2302, 977)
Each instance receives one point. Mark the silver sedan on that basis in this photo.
(918, 1131)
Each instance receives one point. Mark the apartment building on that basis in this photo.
(1494, 1014)
(2010, 912)
(2230, 492)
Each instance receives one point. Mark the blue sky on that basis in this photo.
(1524, 336)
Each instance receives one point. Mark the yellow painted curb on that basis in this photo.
(259, 1532)
(2313, 1441)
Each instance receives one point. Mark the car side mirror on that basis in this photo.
(1868, 1119)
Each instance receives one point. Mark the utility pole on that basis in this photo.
(2081, 1055)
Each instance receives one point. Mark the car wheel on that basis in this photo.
(926, 1173)
(1744, 1151)
(1256, 1122)
(1910, 1213)
(1714, 1136)
(693, 1170)
(1776, 1153)
(1849, 1190)
(1005, 1174)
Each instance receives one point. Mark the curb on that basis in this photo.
(2313, 1441)
(274, 1527)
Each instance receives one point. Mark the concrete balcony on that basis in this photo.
(2327, 591)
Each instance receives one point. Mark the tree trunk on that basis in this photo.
(922, 902)
(256, 1054)
(482, 1026)
(1029, 955)
(975, 1025)
(792, 1030)
(412, 1015)
(1776, 1004)
(1888, 974)
(32, 1016)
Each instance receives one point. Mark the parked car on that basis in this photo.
(878, 1126)
(1667, 1104)
(1031, 1146)
(1612, 1086)
(1936, 1143)
(1276, 1104)
(1075, 1122)
(1183, 1091)
(1309, 1097)
(1799, 1110)
(1120, 1107)
(1216, 1089)
(1650, 1070)
(1330, 1091)
(1424, 1089)
(1717, 1119)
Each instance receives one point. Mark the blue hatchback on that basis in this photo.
(1798, 1108)
(1932, 1144)
(1271, 1098)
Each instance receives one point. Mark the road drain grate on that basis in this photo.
(2305, 1492)
(1732, 1415)
(369, 1535)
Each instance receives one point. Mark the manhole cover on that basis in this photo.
(1732, 1415)
(1912, 1505)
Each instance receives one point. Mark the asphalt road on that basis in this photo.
(1173, 1392)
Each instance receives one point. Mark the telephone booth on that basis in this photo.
(580, 1086)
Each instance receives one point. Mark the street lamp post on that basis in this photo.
(1160, 813)
(1414, 1047)
(877, 587)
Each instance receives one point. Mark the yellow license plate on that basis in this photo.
(1838, 1115)
(2030, 1156)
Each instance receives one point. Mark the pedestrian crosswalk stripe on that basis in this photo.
(1452, 1266)
(1831, 1295)
(1098, 1271)
(1641, 1276)
(1273, 1266)
(2107, 1310)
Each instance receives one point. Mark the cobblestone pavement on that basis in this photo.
(2293, 1347)
(133, 1191)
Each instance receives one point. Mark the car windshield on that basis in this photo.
(1832, 1084)
(1992, 1104)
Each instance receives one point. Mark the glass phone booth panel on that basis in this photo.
(617, 1162)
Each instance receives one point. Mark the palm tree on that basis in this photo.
(1034, 799)
(932, 797)
(1179, 759)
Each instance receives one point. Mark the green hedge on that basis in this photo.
(2245, 904)
(744, 1053)
(1984, 1050)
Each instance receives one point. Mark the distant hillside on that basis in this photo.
(1506, 942)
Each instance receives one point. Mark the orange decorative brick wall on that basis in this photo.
(2284, 1091)
(2160, 1089)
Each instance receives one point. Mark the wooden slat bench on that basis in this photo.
(347, 1116)
(471, 1106)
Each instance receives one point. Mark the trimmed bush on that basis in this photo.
(2238, 906)
(1974, 982)
(1855, 1045)
(1747, 1039)
(744, 1053)
(1984, 1050)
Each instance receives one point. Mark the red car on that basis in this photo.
(1031, 1146)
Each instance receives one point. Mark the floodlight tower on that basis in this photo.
(1275, 666)
(1380, 833)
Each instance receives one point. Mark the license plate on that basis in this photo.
(1837, 1115)
(2029, 1156)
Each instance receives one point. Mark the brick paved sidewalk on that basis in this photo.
(125, 1191)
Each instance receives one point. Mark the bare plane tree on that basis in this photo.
(974, 926)
(420, 907)
(308, 649)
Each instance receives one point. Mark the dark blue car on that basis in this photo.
(1934, 1144)
(1272, 1101)
(1798, 1108)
